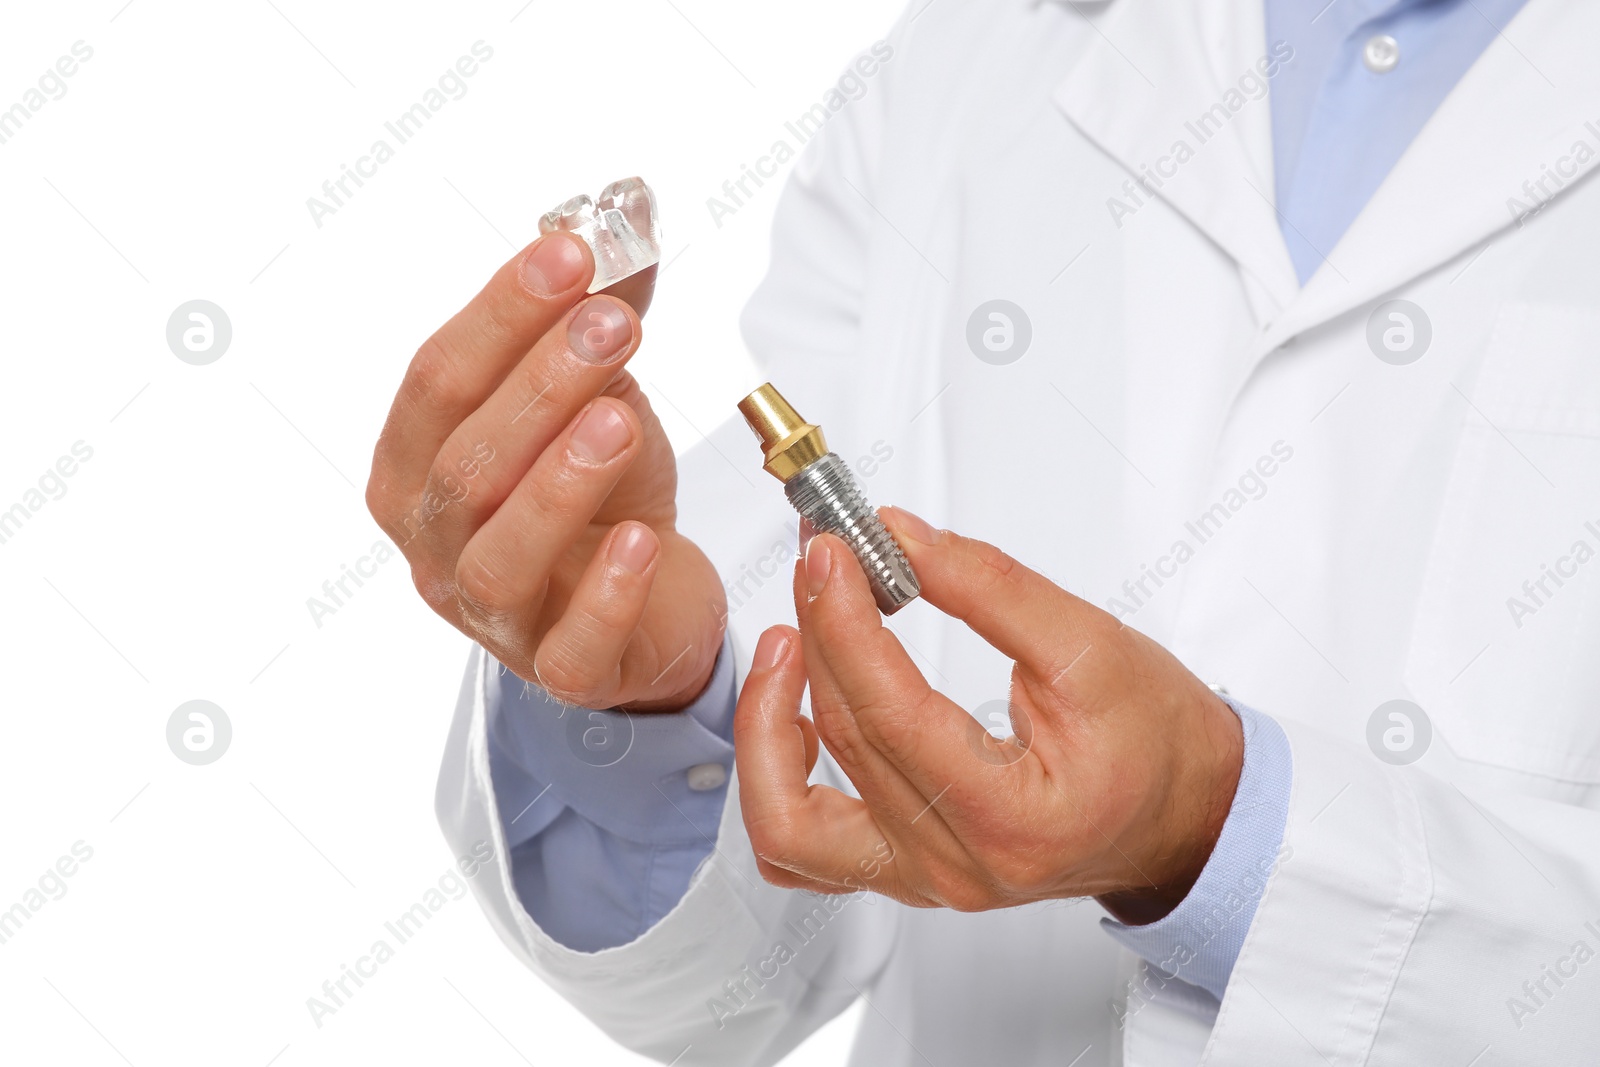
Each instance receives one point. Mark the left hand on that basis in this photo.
(1116, 784)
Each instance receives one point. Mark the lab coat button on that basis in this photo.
(1381, 54)
(704, 777)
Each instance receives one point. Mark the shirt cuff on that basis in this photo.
(653, 777)
(1198, 942)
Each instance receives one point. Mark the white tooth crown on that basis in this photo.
(621, 230)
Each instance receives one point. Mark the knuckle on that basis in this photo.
(560, 486)
(777, 876)
(848, 748)
(1024, 880)
(771, 838)
(538, 393)
(434, 386)
(544, 512)
(994, 568)
(456, 478)
(442, 482)
(407, 524)
(890, 730)
(433, 586)
(591, 626)
(958, 892)
(565, 673)
(479, 587)
(380, 501)
(504, 311)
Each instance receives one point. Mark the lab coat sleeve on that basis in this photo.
(1410, 920)
(738, 971)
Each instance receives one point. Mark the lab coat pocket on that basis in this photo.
(1505, 645)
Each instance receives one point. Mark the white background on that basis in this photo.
(178, 563)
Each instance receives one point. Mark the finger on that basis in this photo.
(462, 363)
(569, 366)
(503, 569)
(636, 289)
(889, 793)
(787, 879)
(768, 746)
(1017, 610)
(815, 833)
(868, 769)
(926, 737)
(580, 660)
(807, 725)
(808, 730)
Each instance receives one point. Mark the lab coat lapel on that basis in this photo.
(1160, 106)
(1521, 109)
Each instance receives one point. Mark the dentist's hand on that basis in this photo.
(526, 479)
(1116, 785)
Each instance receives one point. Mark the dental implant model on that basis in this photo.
(620, 229)
(823, 490)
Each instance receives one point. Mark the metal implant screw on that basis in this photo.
(827, 493)
(824, 491)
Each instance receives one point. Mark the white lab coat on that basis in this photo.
(1169, 355)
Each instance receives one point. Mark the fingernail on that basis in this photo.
(600, 330)
(600, 434)
(553, 266)
(807, 532)
(634, 549)
(914, 527)
(817, 563)
(770, 649)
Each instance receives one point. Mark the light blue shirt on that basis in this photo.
(1338, 126)
(608, 815)
(602, 822)
(1198, 942)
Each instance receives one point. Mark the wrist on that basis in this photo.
(1206, 775)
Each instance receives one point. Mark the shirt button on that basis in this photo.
(704, 777)
(1381, 54)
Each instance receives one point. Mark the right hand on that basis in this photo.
(529, 484)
